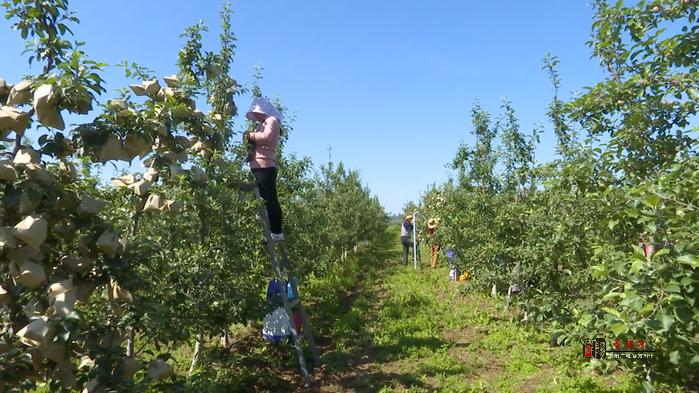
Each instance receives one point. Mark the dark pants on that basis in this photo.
(266, 179)
(407, 244)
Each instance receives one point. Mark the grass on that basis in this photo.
(415, 331)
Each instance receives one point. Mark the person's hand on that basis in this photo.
(246, 137)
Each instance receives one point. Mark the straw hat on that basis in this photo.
(409, 217)
(261, 105)
(432, 223)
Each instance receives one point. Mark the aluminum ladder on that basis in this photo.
(278, 257)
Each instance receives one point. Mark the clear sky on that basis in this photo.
(387, 84)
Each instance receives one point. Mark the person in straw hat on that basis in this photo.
(431, 230)
(406, 232)
(264, 142)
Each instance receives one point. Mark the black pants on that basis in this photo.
(266, 179)
(407, 244)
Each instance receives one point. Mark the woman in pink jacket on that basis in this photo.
(263, 165)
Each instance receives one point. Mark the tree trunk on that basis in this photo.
(197, 352)
(129, 341)
(224, 339)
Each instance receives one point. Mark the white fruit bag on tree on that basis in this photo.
(172, 81)
(37, 332)
(4, 295)
(113, 150)
(20, 94)
(153, 203)
(25, 156)
(138, 90)
(152, 87)
(32, 230)
(89, 205)
(160, 369)
(45, 107)
(7, 171)
(141, 187)
(7, 239)
(12, 119)
(108, 243)
(123, 181)
(31, 274)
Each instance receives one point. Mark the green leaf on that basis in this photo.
(619, 329)
(612, 223)
(646, 310)
(612, 311)
(690, 260)
(636, 266)
(675, 357)
(687, 281)
(611, 295)
(651, 200)
(666, 320)
(673, 288)
(661, 252)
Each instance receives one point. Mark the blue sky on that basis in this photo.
(388, 85)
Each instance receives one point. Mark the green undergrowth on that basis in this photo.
(251, 364)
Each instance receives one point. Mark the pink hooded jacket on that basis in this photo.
(266, 139)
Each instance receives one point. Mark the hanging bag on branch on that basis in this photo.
(276, 326)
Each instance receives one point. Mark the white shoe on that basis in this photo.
(277, 237)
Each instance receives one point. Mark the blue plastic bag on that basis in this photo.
(274, 293)
(290, 294)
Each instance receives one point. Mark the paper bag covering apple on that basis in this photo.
(26, 156)
(20, 94)
(7, 171)
(63, 295)
(7, 238)
(140, 187)
(29, 274)
(45, 107)
(123, 181)
(108, 243)
(68, 168)
(12, 119)
(172, 81)
(139, 90)
(151, 175)
(152, 87)
(131, 366)
(37, 332)
(159, 369)
(153, 203)
(89, 205)
(78, 264)
(137, 145)
(93, 387)
(32, 230)
(112, 149)
(4, 295)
